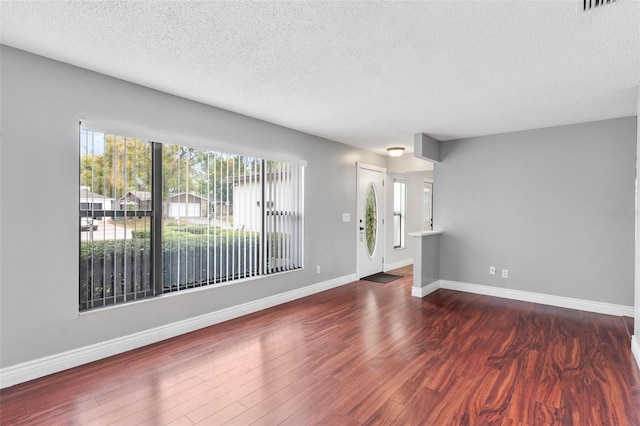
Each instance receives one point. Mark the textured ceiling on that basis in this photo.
(369, 74)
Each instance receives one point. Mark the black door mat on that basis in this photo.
(382, 278)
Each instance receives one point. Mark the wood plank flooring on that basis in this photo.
(361, 354)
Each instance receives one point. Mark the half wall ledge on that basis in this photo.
(426, 262)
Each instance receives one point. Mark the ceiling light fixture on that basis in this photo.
(395, 151)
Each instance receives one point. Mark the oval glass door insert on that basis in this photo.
(371, 219)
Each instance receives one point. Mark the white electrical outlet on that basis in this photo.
(505, 273)
(318, 269)
(492, 270)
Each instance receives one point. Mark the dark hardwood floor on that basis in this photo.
(364, 353)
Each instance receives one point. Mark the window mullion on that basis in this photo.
(263, 218)
(156, 221)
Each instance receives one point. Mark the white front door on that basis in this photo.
(370, 217)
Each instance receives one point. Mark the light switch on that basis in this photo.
(346, 217)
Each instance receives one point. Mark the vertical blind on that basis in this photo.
(228, 217)
(115, 174)
(223, 217)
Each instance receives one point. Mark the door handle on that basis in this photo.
(361, 228)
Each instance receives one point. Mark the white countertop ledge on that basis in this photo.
(424, 233)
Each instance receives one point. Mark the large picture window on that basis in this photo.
(158, 218)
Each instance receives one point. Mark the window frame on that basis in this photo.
(427, 220)
(400, 213)
(265, 268)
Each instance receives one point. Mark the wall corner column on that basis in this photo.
(426, 263)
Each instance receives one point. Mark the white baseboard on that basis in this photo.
(399, 264)
(544, 299)
(423, 291)
(635, 349)
(30, 370)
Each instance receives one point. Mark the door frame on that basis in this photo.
(383, 204)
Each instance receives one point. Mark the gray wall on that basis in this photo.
(554, 206)
(426, 147)
(429, 263)
(42, 101)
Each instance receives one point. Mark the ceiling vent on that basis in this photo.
(592, 4)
